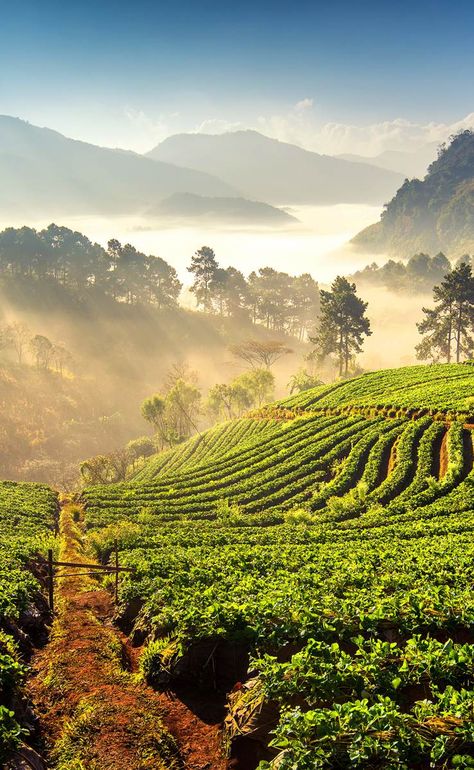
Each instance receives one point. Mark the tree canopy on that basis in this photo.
(72, 260)
(260, 353)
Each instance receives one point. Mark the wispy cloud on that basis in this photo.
(218, 126)
(301, 126)
(149, 131)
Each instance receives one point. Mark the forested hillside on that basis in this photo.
(433, 214)
(87, 332)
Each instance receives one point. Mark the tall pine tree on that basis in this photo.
(447, 327)
(342, 325)
(204, 267)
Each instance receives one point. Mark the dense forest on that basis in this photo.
(279, 301)
(77, 318)
(416, 275)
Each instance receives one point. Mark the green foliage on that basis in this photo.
(141, 447)
(324, 535)
(68, 257)
(158, 657)
(419, 274)
(27, 513)
(448, 327)
(10, 733)
(303, 380)
(173, 414)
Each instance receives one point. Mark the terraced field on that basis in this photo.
(27, 518)
(315, 561)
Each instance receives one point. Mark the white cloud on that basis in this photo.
(217, 126)
(301, 126)
(304, 104)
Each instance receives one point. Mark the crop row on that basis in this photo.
(443, 387)
(203, 447)
(261, 486)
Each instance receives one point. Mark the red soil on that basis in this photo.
(128, 715)
(443, 456)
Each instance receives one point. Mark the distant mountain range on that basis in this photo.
(281, 174)
(44, 173)
(433, 214)
(240, 176)
(410, 164)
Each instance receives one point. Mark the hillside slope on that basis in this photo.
(49, 423)
(328, 536)
(310, 434)
(433, 214)
(189, 207)
(279, 173)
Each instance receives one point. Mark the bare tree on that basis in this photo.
(18, 336)
(260, 354)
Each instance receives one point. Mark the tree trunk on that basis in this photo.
(341, 353)
(458, 333)
(450, 332)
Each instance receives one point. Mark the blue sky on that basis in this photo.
(129, 73)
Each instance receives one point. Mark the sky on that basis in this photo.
(333, 76)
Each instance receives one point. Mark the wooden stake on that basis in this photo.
(51, 581)
(116, 573)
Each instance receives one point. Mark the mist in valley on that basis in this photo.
(284, 209)
(318, 244)
(120, 354)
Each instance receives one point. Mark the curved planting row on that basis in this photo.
(441, 388)
(263, 485)
(203, 447)
(238, 459)
(336, 550)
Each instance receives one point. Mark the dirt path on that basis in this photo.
(441, 457)
(94, 713)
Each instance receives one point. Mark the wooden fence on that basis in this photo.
(90, 569)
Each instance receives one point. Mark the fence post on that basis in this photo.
(51, 581)
(116, 572)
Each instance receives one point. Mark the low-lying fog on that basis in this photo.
(318, 244)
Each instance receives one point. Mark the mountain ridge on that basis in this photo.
(278, 172)
(47, 173)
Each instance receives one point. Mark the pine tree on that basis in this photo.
(204, 268)
(447, 327)
(342, 324)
